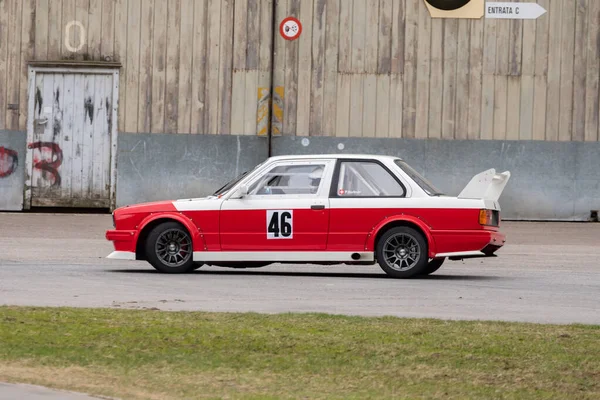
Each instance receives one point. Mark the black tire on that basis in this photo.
(401, 243)
(170, 241)
(434, 265)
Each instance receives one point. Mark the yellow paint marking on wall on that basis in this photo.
(262, 113)
(277, 119)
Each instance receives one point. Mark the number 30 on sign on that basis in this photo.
(280, 224)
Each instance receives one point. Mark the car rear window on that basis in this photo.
(418, 178)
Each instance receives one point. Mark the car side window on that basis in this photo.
(289, 180)
(367, 179)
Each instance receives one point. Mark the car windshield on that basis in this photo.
(418, 178)
(233, 182)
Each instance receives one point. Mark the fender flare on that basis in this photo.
(198, 243)
(423, 226)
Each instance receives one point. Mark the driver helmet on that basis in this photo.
(315, 177)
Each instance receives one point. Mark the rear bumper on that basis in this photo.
(458, 245)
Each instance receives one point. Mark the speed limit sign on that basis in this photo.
(290, 28)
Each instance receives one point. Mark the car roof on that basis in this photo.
(334, 156)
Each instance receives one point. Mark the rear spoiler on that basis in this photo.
(487, 185)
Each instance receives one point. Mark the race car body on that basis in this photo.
(323, 209)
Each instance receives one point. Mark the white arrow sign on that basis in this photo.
(504, 10)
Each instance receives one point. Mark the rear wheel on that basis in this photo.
(402, 252)
(169, 248)
(434, 265)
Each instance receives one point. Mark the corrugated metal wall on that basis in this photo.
(370, 68)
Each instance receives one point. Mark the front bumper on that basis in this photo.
(123, 240)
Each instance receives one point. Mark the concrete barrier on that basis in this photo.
(12, 169)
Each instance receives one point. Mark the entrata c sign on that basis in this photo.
(473, 9)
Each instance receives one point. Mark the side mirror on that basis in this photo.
(240, 192)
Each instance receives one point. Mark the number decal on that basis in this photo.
(280, 224)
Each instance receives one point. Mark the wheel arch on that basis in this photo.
(152, 221)
(404, 220)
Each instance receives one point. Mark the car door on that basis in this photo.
(286, 209)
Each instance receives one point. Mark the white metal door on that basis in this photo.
(71, 138)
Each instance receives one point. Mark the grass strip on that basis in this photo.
(143, 354)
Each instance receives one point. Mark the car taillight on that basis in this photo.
(489, 217)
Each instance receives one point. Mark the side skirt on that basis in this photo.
(284, 256)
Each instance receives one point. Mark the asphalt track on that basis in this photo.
(547, 273)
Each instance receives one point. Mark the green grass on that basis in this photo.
(182, 355)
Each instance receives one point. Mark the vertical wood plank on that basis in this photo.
(592, 95)
(371, 58)
(291, 77)
(384, 41)
(77, 134)
(330, 97)
(541, 74)
(108, 101)
(225, 63)
(184, 109)
(488, 84)
(500, 104)
(68, 15)
(82, 14)
(410, 66)
(199, 49)
(358, 31)
(265, 65)
(343, 84)
(4, 43)
(54, 29)
(99, 136)
(436, 79)
(251, 58)
(450, 68)
(398, 32)
(423, 76)
(41, 28)
(68, 134)
(121, 56)
(144, 112)
(238, 87)
(462, 81)
(279, 73)
(342, 124)
(318, 67)
(580, 73)
(396, 106)
(94, 37)
(212, 65)
(304, 69)
(554, 65)
(527, 81)
(475, 79)
(567, 50)
(515, 47)
(159, 44)
(345, 36)
(107, 30)
(14, 64)
(382, 120)
(87, 146)
(513, 108)
(172, 66)
(133, 65)
(27, 53)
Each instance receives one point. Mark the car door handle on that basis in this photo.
(317, 207)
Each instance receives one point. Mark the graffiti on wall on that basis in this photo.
(9, 160)
(47, 158)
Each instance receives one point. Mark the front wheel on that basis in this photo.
(169, 248)
(402, 252)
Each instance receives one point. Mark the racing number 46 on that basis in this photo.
(280, 224)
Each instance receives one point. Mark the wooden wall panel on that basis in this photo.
(362, 68)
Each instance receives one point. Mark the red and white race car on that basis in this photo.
(318, 209)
